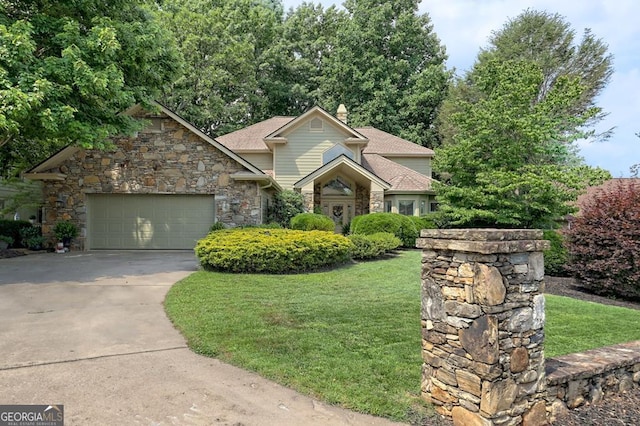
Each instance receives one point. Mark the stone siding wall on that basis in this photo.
(173, 161)
(376, 202)
(482, 324)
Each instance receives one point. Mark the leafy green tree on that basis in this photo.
(387, 66)
(224, 43)
(297, 61)
(548, 40)
(507, 164)
(67, 68)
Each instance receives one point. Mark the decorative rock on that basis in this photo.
(466, 270)
(536, 416)
(469, 382)
(538, 311)
(441, 395)
(432, 301)
(497, 396)
(488, 289)
(464, 417)
(481, 339)
(521, 320)
(626, 383)
(519, 360)
(462, 309)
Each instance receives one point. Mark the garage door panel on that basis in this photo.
(128, 221)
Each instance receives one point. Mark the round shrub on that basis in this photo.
(271, 251)
(555, 258)
(311, 222)
(604, 242)
(399, 225)
(374, 245)
(424, 222)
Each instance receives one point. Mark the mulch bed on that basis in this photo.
(615, 410)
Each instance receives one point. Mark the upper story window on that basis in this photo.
(337, 186)
(336, 151)
(316, 125)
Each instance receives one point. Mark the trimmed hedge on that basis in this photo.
(374, 245)
(12, 228)
(401, 226)
(272, 251)
(312, 222)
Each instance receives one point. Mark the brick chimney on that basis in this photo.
(341, 114)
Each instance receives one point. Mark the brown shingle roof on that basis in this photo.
(250, 138)
(387, 144)
(400, 177)
(607, 186)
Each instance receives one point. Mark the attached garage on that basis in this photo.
(149, 221)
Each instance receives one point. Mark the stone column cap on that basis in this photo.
(483, 240)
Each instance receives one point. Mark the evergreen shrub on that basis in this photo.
(311, 222)
(272, 251)
(374, 245)
(401, 226)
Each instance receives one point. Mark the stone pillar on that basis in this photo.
(482, 325)
(376, 199)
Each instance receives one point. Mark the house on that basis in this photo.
(164, 187)
(341, 171)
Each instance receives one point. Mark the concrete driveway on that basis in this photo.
(88, 330)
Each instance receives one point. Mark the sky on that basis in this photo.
(464, 26)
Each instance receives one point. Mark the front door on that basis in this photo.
(340, 212)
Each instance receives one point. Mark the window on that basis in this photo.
(336, 151)
(405, 207)
(337, 186)
(387, 206)
(433, 206)
(315, 125)
(423, 208)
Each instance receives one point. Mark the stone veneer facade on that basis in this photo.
(171, 161)
(482, 325)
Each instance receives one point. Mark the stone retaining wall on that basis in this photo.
(591, 376)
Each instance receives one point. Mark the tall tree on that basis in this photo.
(67, 68)
(298, 60)
(387, 66)
(224, 43)
(506, 165)
(548, 40)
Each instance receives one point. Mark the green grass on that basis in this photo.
(575, 326)
(350, 336)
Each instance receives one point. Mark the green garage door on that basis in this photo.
(128, 221)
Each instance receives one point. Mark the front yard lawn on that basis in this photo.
(349, 336)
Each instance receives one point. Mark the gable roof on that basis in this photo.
(36, 172)
(337, 162)
(401, 178)
(316, 111)
(251, 138)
